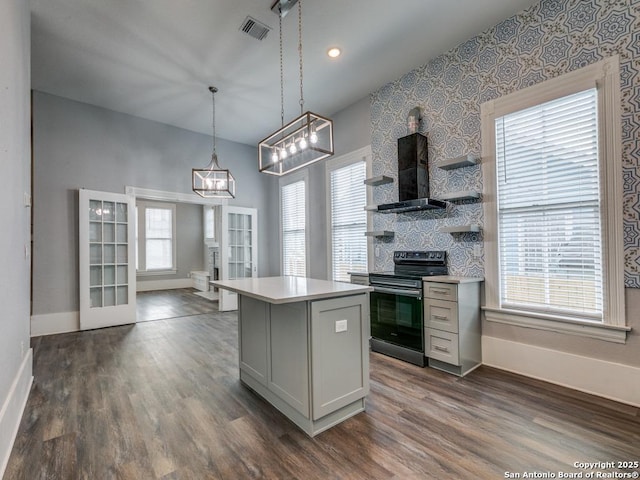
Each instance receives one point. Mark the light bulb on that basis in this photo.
(292, 148)
(313, 138)
(283, 153)
(274, 156)
(303, 143)
(334, 52)
(209, 183)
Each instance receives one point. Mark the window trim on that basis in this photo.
(300, 175)
(362, 154)
(142, 237)
(605, 75)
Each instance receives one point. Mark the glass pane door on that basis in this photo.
(237, 250)
(107, 289)
(240, 246)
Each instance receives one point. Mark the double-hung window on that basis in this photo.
(156, 234)
(293, 221)
(551, 168)
(347, 197)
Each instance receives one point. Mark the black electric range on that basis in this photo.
(397, 323)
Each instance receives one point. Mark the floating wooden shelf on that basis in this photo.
(461, 195)
(379, 233)
(458, 162)
(379, 180)
(461, 229)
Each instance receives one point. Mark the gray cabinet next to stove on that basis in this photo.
(452, 328)
(359, 278)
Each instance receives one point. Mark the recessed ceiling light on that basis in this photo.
(334, 52)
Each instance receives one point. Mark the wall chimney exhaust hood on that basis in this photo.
(411, 205)
(413, 177)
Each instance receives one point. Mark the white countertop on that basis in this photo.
(290, 289)
(452, 279)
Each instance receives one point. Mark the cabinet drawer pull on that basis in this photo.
(442, 349)
(440, 292)
(440, 317)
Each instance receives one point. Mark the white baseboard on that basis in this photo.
(13, 408)
(149, 285)
(52, 323)
(610, 380)
(65, 322)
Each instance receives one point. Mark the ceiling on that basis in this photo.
(155, 58)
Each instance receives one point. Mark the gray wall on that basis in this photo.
(352, 127)
(351, 130)
(77, 145)
(189, 243)
(15, 167)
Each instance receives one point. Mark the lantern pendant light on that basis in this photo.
(304, 140)
(213, 181)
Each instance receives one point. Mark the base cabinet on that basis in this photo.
(308, 359)
(452, 325)
(359, 278)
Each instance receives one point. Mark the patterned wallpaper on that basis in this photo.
(544, 41)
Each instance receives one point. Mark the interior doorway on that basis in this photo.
(165, 301)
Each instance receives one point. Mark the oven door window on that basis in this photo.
(397, 319)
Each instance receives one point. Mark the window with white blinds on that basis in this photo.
(549, 207)
(209, 223)
(293, 221)
(347, 193)
(553, 227)
(159, 238)
(155, 238)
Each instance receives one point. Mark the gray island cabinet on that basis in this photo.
(304, 346)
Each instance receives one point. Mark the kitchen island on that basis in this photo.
(304, 346)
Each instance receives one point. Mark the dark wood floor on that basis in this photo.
(162, 400)
(164, 304)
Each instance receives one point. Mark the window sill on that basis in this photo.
(151, 273)
(608, 333)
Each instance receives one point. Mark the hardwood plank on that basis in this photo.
(162, 400)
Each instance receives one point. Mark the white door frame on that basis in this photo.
(93, 312)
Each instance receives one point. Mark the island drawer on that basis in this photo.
(441, 291)
(441, 315)
(443, 346)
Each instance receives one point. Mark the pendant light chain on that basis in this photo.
(300, 53)
(281, 75)
(305, 139)
(213, 116)
(213, 181)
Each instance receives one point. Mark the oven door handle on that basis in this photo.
(399, 291)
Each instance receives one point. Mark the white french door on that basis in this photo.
(238, 250)
(107, 259)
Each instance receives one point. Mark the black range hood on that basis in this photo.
(411, 205)
(413, 177)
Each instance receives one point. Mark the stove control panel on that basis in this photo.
(433, 257)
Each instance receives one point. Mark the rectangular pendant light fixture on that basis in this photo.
(305, 140)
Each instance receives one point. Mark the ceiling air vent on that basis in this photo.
(254, 28)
